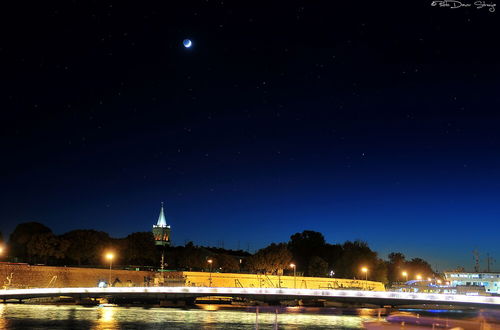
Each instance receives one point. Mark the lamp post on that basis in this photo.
(110, 257)
(365, 270)
(405, 274)
(294, 275)
(210, 265)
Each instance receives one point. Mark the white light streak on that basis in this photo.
(297, 293)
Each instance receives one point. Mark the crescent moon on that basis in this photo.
(187, 43)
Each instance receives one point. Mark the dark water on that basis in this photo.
(18, 316)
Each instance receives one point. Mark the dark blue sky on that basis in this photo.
(361, 121)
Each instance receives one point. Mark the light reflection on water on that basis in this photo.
(14, 316)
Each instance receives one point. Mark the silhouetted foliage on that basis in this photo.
(396, 266)
(20, 237)
(356, 255)
(305, 245)
(46, 245)
(227, 263)
(308, 250)
(272, 259)
(417, 266)
(318, 267)
(86, 246)
(140, 249)
(194, 258)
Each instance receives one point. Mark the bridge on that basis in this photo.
(380, 298)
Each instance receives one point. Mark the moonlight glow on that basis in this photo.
(187, 43)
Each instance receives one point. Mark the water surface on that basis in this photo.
(19, 316)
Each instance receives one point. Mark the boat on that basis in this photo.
(411, 321)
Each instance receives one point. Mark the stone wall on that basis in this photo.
(27, 276)
(270, 281)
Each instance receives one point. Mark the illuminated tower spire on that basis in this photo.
(161, 233)
(161, 219)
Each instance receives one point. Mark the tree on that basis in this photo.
(86, 246)
(332, 254)
(227, 263)
(20, 237)
(318, 267)
(418, 266)
(46, 245)
(396, 266)
(305, 245)
(271, 259)
(193, 257)
(356, 255)
(380, 271)
(140, 249)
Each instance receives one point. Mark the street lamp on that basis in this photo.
(405, 274)
(365, 270)
(110, 257)
(439, 281)
(419, 277)
(294, 275)
(210, 278)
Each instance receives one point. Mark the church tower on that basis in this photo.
(161, 233)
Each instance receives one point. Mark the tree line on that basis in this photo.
(35, 243)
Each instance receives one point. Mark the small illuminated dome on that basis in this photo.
(187, 43)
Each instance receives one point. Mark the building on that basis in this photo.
(161, 233)
(424, 286)
(474, 283)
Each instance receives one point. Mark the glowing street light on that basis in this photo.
(429, 279)
(405, 274)
(365, 270)
(110, 257)
(210, 261)
(419, 277)
(438, 281)
(294, 275)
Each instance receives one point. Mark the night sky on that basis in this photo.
(361, 120)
